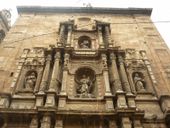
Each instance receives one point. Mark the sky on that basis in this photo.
(160, 13)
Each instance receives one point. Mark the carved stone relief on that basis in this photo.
(31, 70)
(137, 70)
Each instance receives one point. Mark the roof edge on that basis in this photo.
(47, 9)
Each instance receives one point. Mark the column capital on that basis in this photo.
(57, 55)
(112, 56)
(48, 58)
(69, 27)
(120, 59)
(99, 28)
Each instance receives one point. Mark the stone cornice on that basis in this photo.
(98, 10)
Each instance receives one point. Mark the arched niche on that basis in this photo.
(30, 80)
(84, 42)
(85, 82)
(139, 81)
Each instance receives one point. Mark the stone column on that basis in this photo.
(45, 76)
(108, 95)
(54, 83)
(46, 122)
(125, 122)
(34, 122)
(69, 36)
(123, 74)
(59, 123)
(106, 74)
(116, 83)
(126, 85)
(107, 36)
(121, 101)
(137, 124)
(62, 35)
(43, 84)
(100, 37)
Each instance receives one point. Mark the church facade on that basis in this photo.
(84, 68)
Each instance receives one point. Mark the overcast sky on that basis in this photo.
(161, 9)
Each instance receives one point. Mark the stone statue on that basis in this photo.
(139, 82)
(85, 44)
(30, 81)
(84, 86)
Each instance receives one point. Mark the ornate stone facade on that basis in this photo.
(88, 74)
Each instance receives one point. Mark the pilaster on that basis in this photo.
(68, 44)
(63, 94)
(108, 95)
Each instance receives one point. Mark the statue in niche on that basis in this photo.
(30, 81)
(139, 82)
(84, 87)
(85, 44)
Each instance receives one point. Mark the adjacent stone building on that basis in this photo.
(84, 68)
(5, 17)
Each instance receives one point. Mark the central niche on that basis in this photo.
(84, 42)
(85, 82)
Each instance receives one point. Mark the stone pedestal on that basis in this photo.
(109, 103)
(40, 99)
(61, 102)
(131, 101)
(4, 100)
(121, 101)
(51, 99)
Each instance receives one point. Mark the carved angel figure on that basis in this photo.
(85, 44)
(139, 82)
(84, 86)
(30, 81)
